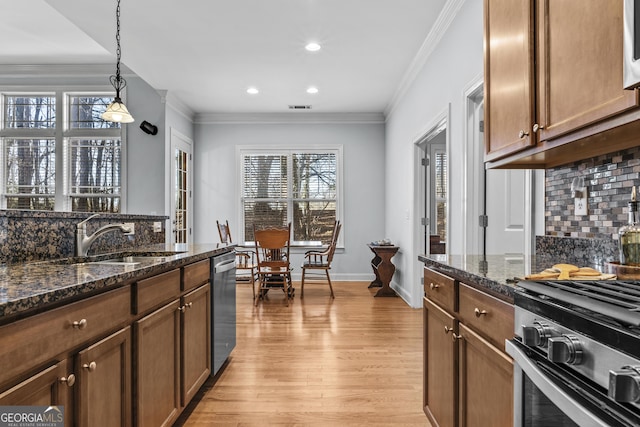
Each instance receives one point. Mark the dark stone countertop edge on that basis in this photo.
(493, 287)
(66, 286)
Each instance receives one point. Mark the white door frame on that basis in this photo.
(184, 143)
(419, 196)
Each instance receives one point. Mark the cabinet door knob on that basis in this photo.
(447, 329)
(433, 286)
(90, 366)
(182, 308)
(536, 128)
(479, 312)
(455, 337)
(522, 134)
(69, 380)
(80, 324)
(189, 304)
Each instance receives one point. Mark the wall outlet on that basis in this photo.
(157, 227)
(581, 204)
(131, 226)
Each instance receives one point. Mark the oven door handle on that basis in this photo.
(567, 404)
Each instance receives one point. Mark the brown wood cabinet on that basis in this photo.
(157, 358)
(468, 378)
(135, 355)
(173, 352)
(553, 82)
(103, 382)
(48, 387)
(196, 341)
(440, 366)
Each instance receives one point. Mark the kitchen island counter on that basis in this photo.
(29, 288)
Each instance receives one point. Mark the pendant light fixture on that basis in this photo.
(117, 111)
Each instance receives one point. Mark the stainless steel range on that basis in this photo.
(576, 353)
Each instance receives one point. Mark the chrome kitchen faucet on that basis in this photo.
(83, 242)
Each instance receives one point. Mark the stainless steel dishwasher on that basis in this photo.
(223, 295)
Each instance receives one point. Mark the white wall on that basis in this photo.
(216, 196)
(455, 62)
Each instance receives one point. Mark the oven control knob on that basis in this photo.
(536, 335)
(624, 385)
(565, 349)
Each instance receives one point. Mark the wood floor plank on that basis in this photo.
(354, 360)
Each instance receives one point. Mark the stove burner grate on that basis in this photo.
(615, 299)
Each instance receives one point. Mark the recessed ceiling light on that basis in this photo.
(312, 89)
(313, 47)
(253, 90)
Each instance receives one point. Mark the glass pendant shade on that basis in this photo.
(117, 112)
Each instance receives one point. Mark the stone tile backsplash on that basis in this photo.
(609, 179)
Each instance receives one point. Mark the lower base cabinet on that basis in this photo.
(43, 389)
(486, 383)
(173, 357)
(440, 366)
(468, 379)
(103, 382)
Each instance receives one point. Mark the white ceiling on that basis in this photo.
(207, 52)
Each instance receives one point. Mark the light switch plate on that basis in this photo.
(581, 204)
(131, 226)
(157, 227)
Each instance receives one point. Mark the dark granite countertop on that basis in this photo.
(495, 274)
(31, 287)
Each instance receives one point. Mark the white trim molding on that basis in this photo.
(446, 17)
(296, 117)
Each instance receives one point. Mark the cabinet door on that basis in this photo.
(50, 387)
(486, 383)
(157, 363)
(579, 64)
(104, 382)
(196, 341)
(440, 366)
(509, 77)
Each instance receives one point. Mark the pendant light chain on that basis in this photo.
(116, 111)
(117, 81)
(118, 50)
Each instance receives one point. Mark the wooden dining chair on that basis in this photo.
(246, 265)
(272, 254)
(318, 263)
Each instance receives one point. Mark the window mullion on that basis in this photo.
(60, 191)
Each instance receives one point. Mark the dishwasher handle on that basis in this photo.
(223, 266)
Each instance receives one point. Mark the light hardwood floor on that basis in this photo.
(355, 360)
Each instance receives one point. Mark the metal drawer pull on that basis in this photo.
(479, 312)
(80, 324)
(91, 366)
(70, 380)
(433, 286)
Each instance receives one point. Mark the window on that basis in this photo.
(57, 154)
(291, 185)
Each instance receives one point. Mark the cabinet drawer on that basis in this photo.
(156, 290)
(196, 274)
(30, 342)
(441, 289)
(490, 317)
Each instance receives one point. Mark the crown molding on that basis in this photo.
(60, 70)
(177, 105)
(288, 118)
(446, 17)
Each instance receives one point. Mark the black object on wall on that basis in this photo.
(149, 128)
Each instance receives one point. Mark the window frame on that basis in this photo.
(288, 151)
(62, 133)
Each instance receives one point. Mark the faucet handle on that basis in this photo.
(81, 224)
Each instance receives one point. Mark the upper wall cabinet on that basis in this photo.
(553, 82)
